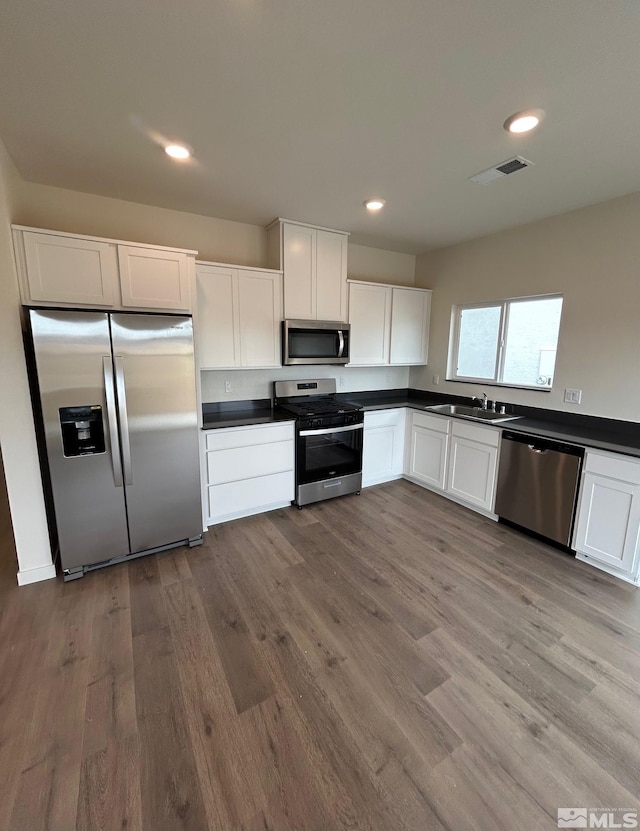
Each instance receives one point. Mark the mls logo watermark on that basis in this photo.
(597, 818)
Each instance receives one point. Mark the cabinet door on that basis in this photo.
(68, 270)
(472, 471)
(331, 276)
(154, 279)
(299, 265)
(409, 326)
(608, 521)
(370, 319)
(383, 451)
(428, 456)
(217, 323)
(260, 311)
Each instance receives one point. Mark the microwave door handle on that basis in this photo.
(340, 343)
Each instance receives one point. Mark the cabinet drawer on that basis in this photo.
(431, 422)
(476, 432)
(238, 497)
(616, 467)
(383, 418)
(237, 463)
(227, 437)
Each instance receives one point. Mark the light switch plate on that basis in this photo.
(572, 396)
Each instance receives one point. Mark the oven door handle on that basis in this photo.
(340, 343)
(347, 429)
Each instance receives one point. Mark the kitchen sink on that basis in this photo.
(474, 413)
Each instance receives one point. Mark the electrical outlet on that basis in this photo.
(227, 386)
(436, 379)
(572, 396)
(387, 378)
(343, 381)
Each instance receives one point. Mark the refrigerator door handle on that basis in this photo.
(124, 421)
(110, 398)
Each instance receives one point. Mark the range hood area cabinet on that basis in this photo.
(71, 270)
(238, 316)
(314, 264)
(389, 324)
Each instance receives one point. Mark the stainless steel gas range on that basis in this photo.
(328, 439)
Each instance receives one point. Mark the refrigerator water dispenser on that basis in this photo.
(82, 430)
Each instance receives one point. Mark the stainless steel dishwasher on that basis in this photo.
(537, 484)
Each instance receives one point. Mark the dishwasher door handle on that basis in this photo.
(535, 449)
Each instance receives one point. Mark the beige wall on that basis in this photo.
(258, 383)
(42, 206)
(17, 437)
(58, 209)
(592, 256)
(380, 266)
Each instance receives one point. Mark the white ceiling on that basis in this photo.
(303, 108)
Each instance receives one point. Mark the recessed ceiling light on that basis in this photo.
(524, 121)
(177, 151)
(374, 204)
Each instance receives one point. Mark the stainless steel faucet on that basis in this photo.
(484, 403)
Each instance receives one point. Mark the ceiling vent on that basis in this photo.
(486, 177)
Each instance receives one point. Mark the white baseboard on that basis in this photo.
(262, 509)
(36, 575)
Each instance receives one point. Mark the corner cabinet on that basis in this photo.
(607, 529)
(427, 449)
(389, 324)
(454, 457)
(239, 314)
(57, 269)
(383, 452)
(314, 264)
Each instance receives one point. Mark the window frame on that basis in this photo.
(504, 305)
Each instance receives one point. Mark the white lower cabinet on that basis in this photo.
(455, 457)
(473, 460)
(607, 529)
(383, 453)
(249, 469)
(428, 445)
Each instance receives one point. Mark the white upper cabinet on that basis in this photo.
(314, 265)
(239, 313)
(410, 314)
(331, 276)
(370, 320)
(217, 320)
(67, 270)
(389, 324)
(153, 279)
(60, 269)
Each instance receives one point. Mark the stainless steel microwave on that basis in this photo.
(315, 342)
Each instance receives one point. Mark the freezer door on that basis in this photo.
(73, 361)
(155, 383)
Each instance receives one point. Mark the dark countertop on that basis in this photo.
(598, 433)
(584, 431)
(240, 414)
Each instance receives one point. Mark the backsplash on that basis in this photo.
(258, 383)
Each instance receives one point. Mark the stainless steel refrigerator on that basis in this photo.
(118, 404)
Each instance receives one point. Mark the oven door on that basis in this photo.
(328, 453)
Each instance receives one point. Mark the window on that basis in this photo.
(510, 342)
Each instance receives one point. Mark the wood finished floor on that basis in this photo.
(388, 662)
